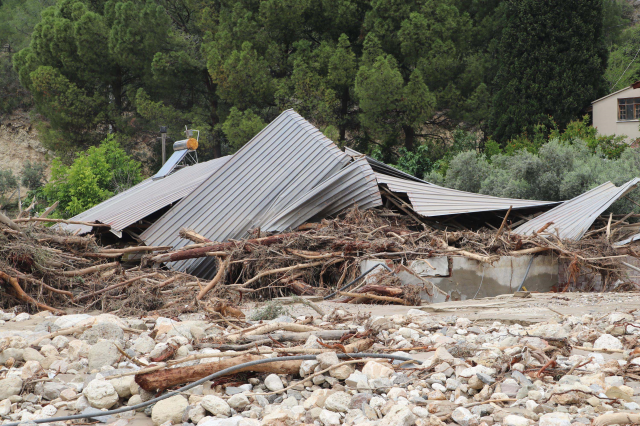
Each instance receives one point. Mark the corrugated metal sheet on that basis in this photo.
(146, 198)
(380, 167)
(431, 200)
(631, 239)
(281, 164)
(573, 218)
(354, 185)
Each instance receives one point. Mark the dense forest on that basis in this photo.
(412, 82)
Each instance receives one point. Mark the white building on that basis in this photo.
(619, 113)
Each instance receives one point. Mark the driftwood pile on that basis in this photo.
(48, 269)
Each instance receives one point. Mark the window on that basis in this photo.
(629, 109)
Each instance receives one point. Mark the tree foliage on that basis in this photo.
(94, 176)
(551, 62)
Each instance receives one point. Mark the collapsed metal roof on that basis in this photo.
(573, 218)
(431, 200)
(287, 174)
(145, 198)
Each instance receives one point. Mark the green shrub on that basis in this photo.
(8, 183)
(93, 177)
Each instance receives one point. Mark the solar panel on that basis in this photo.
(171, 164)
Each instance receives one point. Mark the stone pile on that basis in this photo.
(470, 375)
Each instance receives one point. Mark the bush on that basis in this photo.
(559, 171)
(93, 177)
(33, 175)
(8, 183)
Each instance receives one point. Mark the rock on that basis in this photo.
(327, 359)
(100, 394)
(103, 353)
(342, 372)
(60, 342)
(103, 330)
(398, 415)
(30, 354)
(21, 317)
(197, 413)
(9, 387)
(510, 387)
(238, 401)
(329, 418)
(122, 385)
(11, 353)
(514, 420)
(338, 401)
(77, 349)
(357, 380)
(464, 417)
(68, 394)
(171, 409)
(5, 407)
(30, 369)
(144, 344)
(52, 390)
(376, 370)
(607, 341)
(307, 367)
(216, 406)
(273, 382)
(549, 331)
(555, 419)
(67, 321)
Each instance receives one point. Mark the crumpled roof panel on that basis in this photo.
(431, 200)
(573, 218)
(276, 169)
(145, 198)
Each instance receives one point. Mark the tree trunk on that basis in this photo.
(165, 379)
(343, 114)
(409, 137)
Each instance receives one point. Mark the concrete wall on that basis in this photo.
(503, 277)
(605, 116)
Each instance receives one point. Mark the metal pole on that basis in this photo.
(163, 134)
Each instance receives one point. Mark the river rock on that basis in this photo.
(100, 394)
(171, 409)
(607, 341)
(9, 387)
(216, 406)
(102, 354)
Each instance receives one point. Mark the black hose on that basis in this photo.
(346, 286)
(209, 377)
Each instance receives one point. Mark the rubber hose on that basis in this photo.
(209, 377)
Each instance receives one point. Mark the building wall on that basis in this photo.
(605, 116)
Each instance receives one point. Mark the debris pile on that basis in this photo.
(572, 371)
(51, 270)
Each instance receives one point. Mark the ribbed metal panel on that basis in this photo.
(573, 218)
(146, 198)
(432, 200)
(354, 185)
(284, 161)
(380, 167)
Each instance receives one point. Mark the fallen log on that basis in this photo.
(135, 249)
(381, 289)
(168, 378)
(189, 234)
(24, 296)
(60, 239)
(301, 288)
(283, 326)
(49, 210)
(202, 251)
(616, 419)
(89, 270)
(375, 297)
(295, 337)
(70, 222)
(10, 223)
(222, 269)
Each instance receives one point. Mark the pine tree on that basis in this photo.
(551, 63)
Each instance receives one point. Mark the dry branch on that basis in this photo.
(24, 296)
(164, 379)
(90, 270)
(70, 222)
